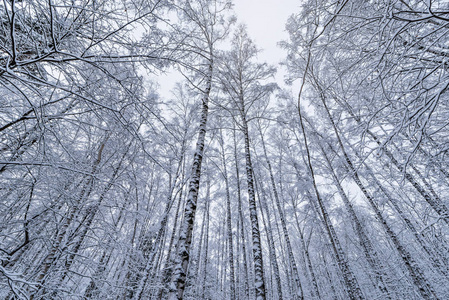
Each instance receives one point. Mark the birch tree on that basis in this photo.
(208, 21)
(243, 82)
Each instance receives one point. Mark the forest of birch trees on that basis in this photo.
(331, 183)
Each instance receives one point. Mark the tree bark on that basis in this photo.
(228, 220)
(298, 287)
(413, 269)
(185, 237)
(259, 280)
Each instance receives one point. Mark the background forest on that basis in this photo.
(232, 186)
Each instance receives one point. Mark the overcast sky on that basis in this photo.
(265, 21)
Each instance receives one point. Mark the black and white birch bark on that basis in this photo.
(298, 287)
(185, 238)
(228, 219)
(426, 291)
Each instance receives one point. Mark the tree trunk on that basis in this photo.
(228, 220)
(298, 287)
(439, 207)
(241, 219)
(369, 252)
(185, 237)
(413, 269)
(271, 246)
(259, 280)
(206, 244)
(62, 232)
(350, 281)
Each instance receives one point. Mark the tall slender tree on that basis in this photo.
(243, 83)
(208, 21)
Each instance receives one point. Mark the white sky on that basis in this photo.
(265, 21)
